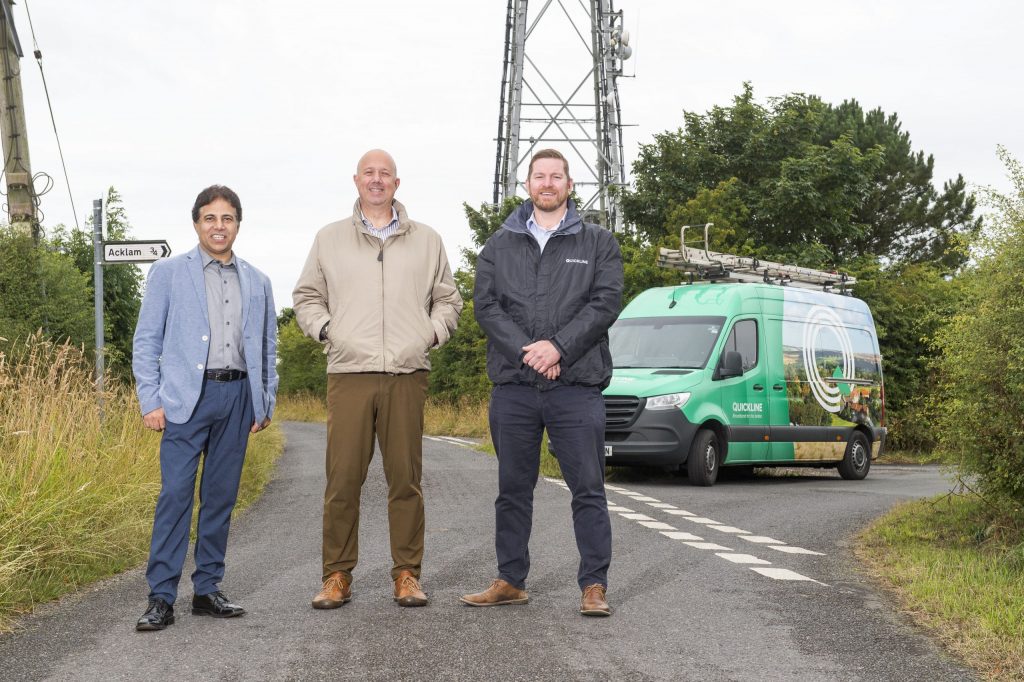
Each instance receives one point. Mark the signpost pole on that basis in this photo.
(97, 241)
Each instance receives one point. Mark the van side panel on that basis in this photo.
(831, 370)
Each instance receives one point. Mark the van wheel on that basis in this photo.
(705, 458)
(857, 459)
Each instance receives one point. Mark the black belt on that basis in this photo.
(225, 374)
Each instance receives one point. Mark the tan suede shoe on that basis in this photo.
(500, 593)
(335, 592)
(408, 591)
(593, 602)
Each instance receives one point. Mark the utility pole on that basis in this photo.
(540, 106)
(21, 200)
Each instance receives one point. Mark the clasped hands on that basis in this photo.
(543, 358)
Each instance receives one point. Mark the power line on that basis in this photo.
(39, 60)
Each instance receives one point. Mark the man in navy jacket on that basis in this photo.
(548, 287)
(204, 359)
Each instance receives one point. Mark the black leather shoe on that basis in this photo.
(159, 615)
(215, 604)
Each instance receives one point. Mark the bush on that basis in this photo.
(980, 401)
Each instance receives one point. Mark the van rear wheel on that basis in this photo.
(857, 460)
(705, 458)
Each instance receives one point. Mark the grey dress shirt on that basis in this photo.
(224, 304)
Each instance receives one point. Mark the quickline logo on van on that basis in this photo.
(773, 375)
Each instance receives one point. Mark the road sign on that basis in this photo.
(135, 252)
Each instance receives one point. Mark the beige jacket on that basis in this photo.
(383, 304)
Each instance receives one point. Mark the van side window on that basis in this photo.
(743, 338)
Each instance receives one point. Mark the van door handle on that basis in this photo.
(758, 387)
(778, 387)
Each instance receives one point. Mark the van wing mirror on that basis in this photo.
(731, 365)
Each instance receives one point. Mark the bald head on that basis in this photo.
(377, 157)
(376, 180)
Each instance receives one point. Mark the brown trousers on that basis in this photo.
(358, 407)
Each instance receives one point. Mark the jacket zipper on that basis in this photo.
(383, 336)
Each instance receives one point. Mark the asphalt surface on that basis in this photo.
(680, 612)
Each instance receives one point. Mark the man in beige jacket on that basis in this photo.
(378, 292)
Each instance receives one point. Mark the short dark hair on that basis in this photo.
(212, 193)
(549, 154)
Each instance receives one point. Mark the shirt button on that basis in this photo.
(206, 338)
(199, 366)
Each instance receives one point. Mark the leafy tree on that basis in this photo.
(122, 284)
(803, 181)
(980, 402)
(303, 365)
(910, 303)
(459, 368)
(41, 289)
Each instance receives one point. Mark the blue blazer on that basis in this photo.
(172, 339)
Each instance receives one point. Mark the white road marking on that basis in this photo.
(762, 540)
(742, 558)
(657, 525)
(458, 441)
(696, 541)
(679, 535)
(707, 545)
(783, 574)
(730, 529)
(788, 549)
(701, 519)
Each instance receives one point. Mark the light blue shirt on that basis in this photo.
(539, 233)
(381, 233)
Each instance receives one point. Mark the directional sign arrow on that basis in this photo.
(135, 252)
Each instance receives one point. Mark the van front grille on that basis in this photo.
(621, 411)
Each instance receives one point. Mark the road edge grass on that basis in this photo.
(956, 574)
(77, 492)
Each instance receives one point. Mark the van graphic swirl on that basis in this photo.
(822, 319)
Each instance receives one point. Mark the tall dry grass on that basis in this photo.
(76, 493)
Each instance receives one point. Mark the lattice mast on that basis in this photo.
(540, 108)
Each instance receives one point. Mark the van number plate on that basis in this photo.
(607, 450)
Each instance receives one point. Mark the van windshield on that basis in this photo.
(663, 342)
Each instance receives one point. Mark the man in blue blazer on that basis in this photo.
(204, 365)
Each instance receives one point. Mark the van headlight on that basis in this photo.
(667, 402)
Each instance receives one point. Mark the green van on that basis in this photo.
(713, 374)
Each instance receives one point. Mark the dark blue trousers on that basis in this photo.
(218, 430)
(574, 418)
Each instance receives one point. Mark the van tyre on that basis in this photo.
(857, 459)
(705, 458)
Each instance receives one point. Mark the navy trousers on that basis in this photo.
(574, 417)
(218, 430)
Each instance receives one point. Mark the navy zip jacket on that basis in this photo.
(569, 294)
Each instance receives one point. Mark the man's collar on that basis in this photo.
(532, 220)
(207, 258)
(394, 217)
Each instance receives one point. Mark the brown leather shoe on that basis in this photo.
(408, 591)
(336, 591)
(500, 593)
(593, 602)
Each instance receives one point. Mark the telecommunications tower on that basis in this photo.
(563, 93)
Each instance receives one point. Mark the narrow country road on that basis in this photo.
(748, 580)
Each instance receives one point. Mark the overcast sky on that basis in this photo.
(278, 100)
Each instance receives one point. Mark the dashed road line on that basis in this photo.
(707, 545)
(742, 558)
(730, 529)
(756, 564)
